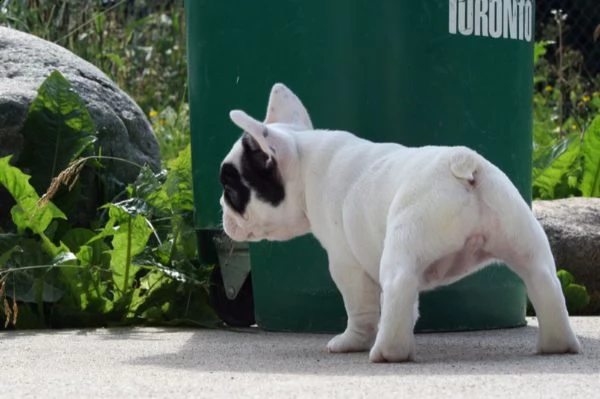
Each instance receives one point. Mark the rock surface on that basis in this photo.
(573, 229)
(123, 130)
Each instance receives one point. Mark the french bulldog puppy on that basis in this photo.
(394, 221)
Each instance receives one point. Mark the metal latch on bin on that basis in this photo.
(234, 261)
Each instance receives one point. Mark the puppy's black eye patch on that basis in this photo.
(229, 175)
(235, 192)
(261, 172)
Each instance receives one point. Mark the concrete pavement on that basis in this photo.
(182, 363)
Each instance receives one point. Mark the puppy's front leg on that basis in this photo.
(400, 285)
(361, 300)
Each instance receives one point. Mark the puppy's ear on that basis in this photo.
(285, 107)
(258, 130)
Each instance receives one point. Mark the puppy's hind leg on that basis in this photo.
(517, 238)
(536, 268)
(361, 295)
(400, 284)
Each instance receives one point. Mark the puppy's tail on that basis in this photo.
(464, 165)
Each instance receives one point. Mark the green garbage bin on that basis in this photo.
(421, 72)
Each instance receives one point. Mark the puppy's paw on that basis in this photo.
(559, 345)
(393, 352)
(349, 341)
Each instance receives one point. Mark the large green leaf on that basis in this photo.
(147, 284)
(590, 183)
(87, 284)
(93, 252)
(545, 156)
(557, 164)
(58, 129)
(179, 189)
(149, 188)
(28, 212)
(179, 181)
(130, 235)
(168, 193)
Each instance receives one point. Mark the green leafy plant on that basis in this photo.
(20, 249)
(566, 132)
(566, 156)
(58, 129)
(576, 295)
(136, 263)
(569, 166)
(111, 276)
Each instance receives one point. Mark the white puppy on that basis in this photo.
(394, 221)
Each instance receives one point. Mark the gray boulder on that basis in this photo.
(123, 130)
(573, 229)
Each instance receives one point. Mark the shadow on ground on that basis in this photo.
(500, 352)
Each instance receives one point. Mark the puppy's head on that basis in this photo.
(262, 192)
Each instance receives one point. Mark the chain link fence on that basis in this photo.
(576, 25)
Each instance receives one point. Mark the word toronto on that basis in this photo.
(509, 19)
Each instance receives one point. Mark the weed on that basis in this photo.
(136, 264)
